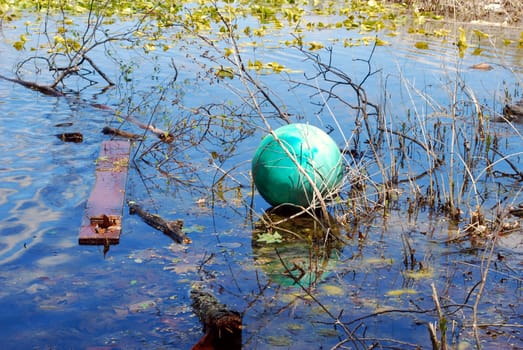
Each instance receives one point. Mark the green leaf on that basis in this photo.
(270, 238)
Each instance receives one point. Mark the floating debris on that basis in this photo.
(63, 125)
(75, 137)
(482, 66)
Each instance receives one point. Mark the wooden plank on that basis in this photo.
(102, 220)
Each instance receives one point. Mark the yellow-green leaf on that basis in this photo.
(228, 51)
(422, 45)
(58, 39)
(148, 47)
(225, 72)
(400, 292)
(314, 45)
(480, 34)
(256, 65)
(275, 66)
(423, 273)
(333, 290)
(462, 41)
(19, 45)
(441, 32)
(477, 51)
(380, 42)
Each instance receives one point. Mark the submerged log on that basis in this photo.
(172, 229)
(75, 137)
(163, 135)
(222, 327)
(44, 89)
(117, 132)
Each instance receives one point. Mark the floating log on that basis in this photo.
(102, 221)
(172, 229)
(482, 66)
(63, 125)
(75, 137)
(163, 135)
(44, 89)
(117, 132)
(222, 327)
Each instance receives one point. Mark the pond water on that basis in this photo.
(376, 279)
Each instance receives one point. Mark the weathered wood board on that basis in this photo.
(102, 221)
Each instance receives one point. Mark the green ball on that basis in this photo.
(278, 178)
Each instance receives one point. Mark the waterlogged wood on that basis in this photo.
(44, 89)
(117, 132)
(222, 327)
(75, 137)
(172, 229)
(102, 221)
(163, 135)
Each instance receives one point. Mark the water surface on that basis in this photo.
(58, 294)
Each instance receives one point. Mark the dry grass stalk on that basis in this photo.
(442, 322)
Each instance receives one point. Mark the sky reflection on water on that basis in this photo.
(57, 294)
